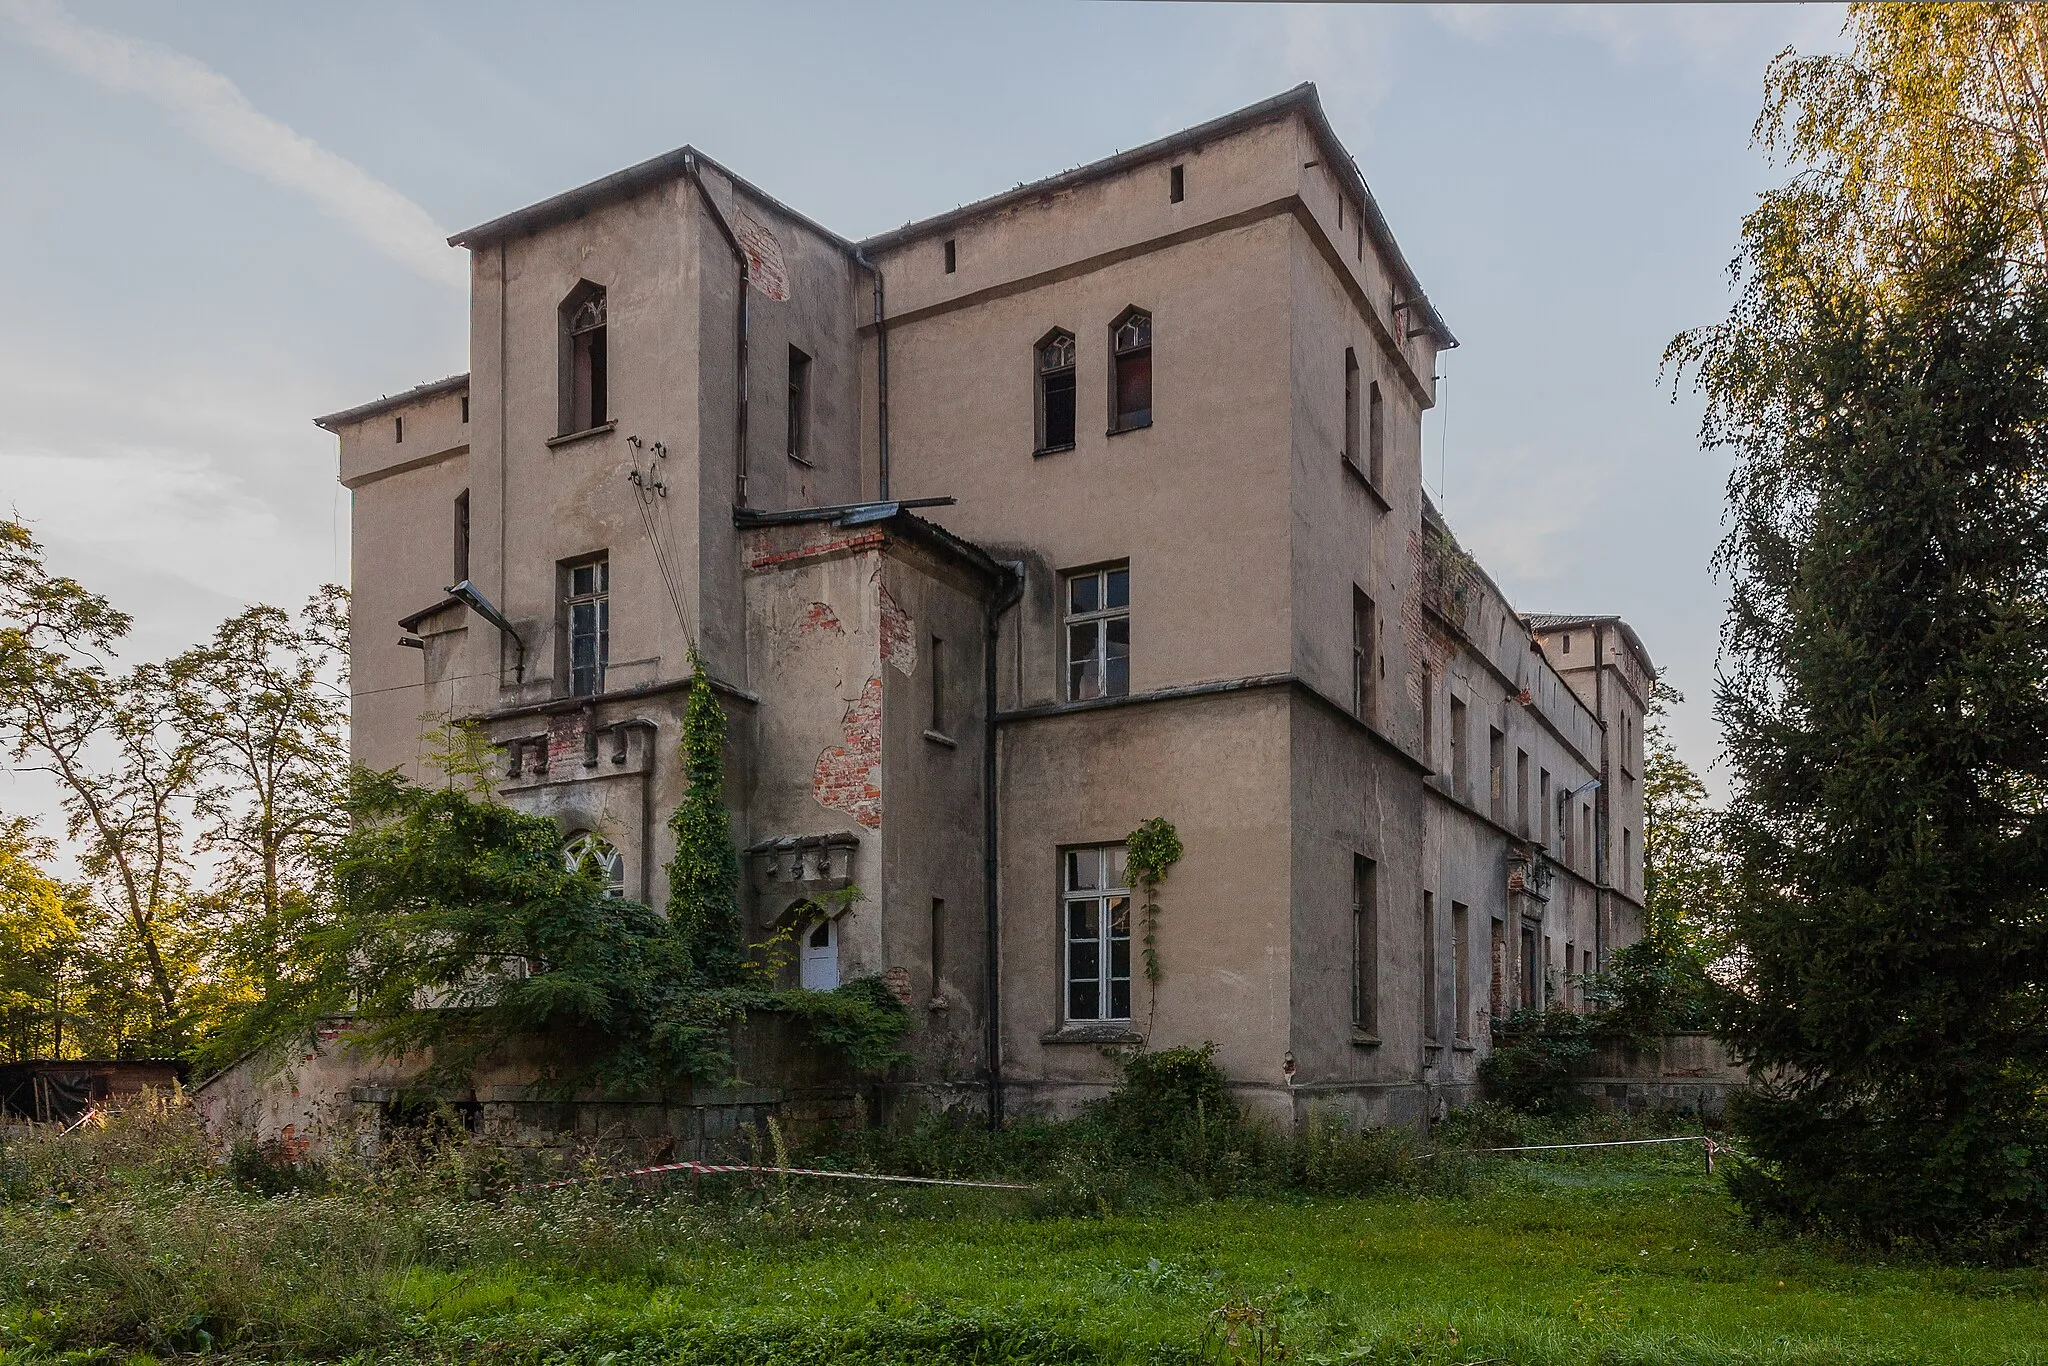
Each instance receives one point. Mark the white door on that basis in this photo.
(820, 960)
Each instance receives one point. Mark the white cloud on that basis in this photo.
(221, 117)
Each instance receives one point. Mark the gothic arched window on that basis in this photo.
(1130, 376)
(1055, 368)
(584, 360)
(590, 852)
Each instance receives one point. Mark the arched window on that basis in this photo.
(1130, 375)
(584, 361)
(1055, 366)
(590, 852)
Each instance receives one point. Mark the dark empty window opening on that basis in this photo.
(465, 408)
(1352, 454)
(1177, 184)
(462, 536)
(1055, 365)
(952, 256)
(1364, 639)
(1130, 388)
(398, 430)
(1365, 946)
(1375, 437)
(799, 406)
(938, 671)
(589, 608)
(585, 359)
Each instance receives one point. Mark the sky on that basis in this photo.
(220, 219)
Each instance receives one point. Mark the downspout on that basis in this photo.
(739, 253)
(881, 380)
(1600, 802)
(992, 1019)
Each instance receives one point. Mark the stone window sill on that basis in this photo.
(1146, 425)
(948, 741)
(1053, 450)
(1096, 1034)
(1365, 481)
(1361, 1039)
(1464, 1046)
(571, 438)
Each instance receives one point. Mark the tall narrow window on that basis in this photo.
(1130, 387)
(937, 662)
(1375, 437)
(1365, 945)
(1543, 805)
(1522, 790)
(398, 431)
(1496, 774)
(1177, 184)
(1589, 856)
(1429, 719)
(1497, 958)
(1365, 635)
(1353, 451)
(1099, 633)
(1461, 781)
(1055, 366)
(938, 949)
(465, 408)
(952, 256)
(1572, 986)
(584, 359)
(799, 407)
(461, 536)
(1628, 859)
(1461, 971)
(1529, 999)
(1097, 909)
(1429, 998)
(590, 625)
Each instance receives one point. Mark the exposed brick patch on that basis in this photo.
(565, 739)
(1428, 643)
(819, 616)
(848, 776)
(898, 982)
(814, 550)
(899, 632)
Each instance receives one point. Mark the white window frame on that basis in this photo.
(611, 864)
(1077, 672)
(1100, 910)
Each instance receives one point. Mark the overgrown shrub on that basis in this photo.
(1535, 1060)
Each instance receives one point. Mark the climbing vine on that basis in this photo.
(1154, 847)
(704, 877)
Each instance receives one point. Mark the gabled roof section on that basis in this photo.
(625, 184)
(1302, 98)
(454, 384)
(893, 517)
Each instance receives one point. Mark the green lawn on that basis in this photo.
(1617, 1257)
(1610, 1259)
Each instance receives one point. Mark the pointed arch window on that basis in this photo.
(585, 359)
(1130, 377)
(1055, 370)
(591, 853)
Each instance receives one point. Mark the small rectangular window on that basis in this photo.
(1567, 642)
(398, 430)
(588, 607)
(1177, 184)
(1098, 630)
(952, 257)
(461, 536)
(1364, 643)
(799, 416)
(1461, 971)
(1365, 945)
(465, 408)
(1429, 998)
(938, 674)
(1095, 907)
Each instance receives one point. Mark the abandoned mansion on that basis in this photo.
(999, 534)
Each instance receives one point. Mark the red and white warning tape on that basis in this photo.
(725, 1168)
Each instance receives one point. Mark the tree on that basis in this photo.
(37, 937)
(126, 771)
(1885, 707)
(266, 703)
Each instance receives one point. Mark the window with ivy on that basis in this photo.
(590, 852)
